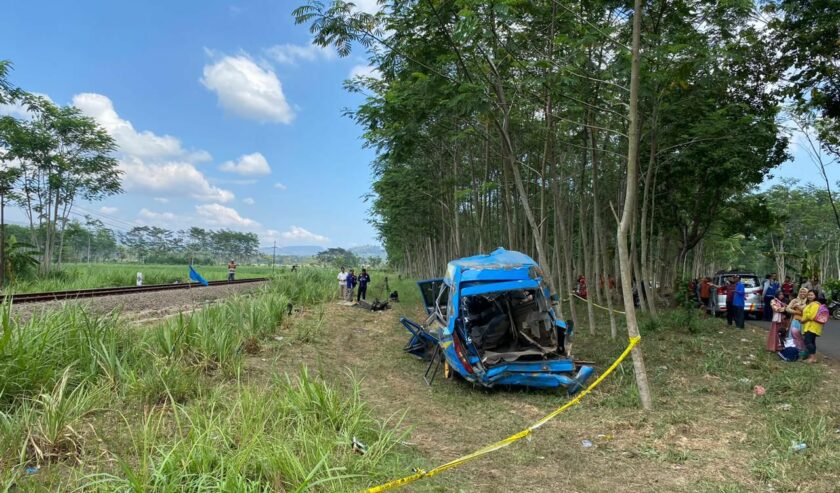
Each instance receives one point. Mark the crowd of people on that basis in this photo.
(796, 323)
(796, 320)
(348, 282)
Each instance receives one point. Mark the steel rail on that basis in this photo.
(117, 290)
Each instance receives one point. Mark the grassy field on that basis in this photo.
(82, 276)
(243, 397)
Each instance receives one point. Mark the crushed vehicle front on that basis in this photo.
(492, 320)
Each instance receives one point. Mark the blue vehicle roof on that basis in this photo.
(498, 265)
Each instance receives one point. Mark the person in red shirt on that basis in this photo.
(581, 287)
(705, 291)
(787, 288)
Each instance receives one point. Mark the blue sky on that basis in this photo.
(226, 115)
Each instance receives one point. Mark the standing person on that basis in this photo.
(342, 284)
(231, 270)
(581, 287)
(817, 287)
(363, 280)
(738, 299)
(787, 289)
(777, 331)
(705, 292)
(805, 283)
(811, 329)
(351, 284)
(768, 292)
(730, 295)
(795, 309)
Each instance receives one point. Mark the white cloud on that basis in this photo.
(291, 54)
(162, 200)
(297, 233)
(154, 216)
(171, 179)
(280, 186)
(248, 90)
(364, 71)
(248, 201)
(108, 210)
(152, 164)
(248, 165)
(369, 6)
(145, 144)
(219, 215)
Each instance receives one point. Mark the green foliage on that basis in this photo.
(474, 95)
(21, 259)
(64, 156)
(806, 34)
(338, 257)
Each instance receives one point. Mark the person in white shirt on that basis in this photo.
(342, 283)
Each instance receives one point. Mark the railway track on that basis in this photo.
(96, 292)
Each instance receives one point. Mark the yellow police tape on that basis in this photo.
(599, 306)
(421, 474)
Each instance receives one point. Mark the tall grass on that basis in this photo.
(83, 276)
(57, 367)
(289, 436)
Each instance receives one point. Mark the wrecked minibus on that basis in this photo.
(490, 321)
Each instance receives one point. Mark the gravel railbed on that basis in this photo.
(148, 306)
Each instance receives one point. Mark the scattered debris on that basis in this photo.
(663, 367)
(278, 338)
(358, 447)
(745, 381)
(759, 390)
(32, 469)
(744, 340)
(787, 407)
(797, 447)
(586, 443)
(604, 437)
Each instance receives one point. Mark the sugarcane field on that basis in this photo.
(430, 246)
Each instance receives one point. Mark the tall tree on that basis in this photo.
(64, 156)
(628, 213)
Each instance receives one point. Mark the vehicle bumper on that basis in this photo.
(539, 374)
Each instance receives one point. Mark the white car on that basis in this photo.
(753, 302)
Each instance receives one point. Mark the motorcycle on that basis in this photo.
(834, 309)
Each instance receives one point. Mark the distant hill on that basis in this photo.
(295, 250)
(369, 251)
(364, 251)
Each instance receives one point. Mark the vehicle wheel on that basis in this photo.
(836, 313)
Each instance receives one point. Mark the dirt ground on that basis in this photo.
(708, 431)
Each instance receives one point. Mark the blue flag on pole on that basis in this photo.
(196, 277)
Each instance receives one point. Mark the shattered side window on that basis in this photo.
(442, 302)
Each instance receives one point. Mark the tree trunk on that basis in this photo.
(629, 210)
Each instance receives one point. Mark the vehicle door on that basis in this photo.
(429, 290)
(752, 293)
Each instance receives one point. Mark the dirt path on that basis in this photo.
(698, 439)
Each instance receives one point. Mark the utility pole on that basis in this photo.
(88, 247)
(273, 254)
